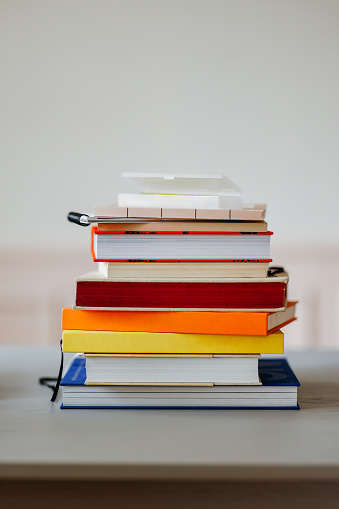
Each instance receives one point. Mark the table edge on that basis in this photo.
(169, 473)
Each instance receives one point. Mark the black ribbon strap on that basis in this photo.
(273, 271)
(46, 380)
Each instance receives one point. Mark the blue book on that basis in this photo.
(278, 391)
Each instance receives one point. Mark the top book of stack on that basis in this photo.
(202, 197)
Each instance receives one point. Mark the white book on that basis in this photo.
(182, 191)
(182, 183)
(173, 401)
(172, 369)
(170, 201)
(181, 247)
(233, 396)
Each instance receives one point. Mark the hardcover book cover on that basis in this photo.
(94, 290)
(199, 322)
(162, 343)
(278, 391)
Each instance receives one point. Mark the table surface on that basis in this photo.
(38, 440)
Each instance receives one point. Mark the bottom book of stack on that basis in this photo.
(272, 385)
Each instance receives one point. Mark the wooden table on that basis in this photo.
(166, 458)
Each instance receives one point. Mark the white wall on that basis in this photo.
(93, 88)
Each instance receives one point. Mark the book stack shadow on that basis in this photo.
(179, 314)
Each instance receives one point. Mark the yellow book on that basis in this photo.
(164, 342)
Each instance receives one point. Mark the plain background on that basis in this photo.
(90, 89)
(93, 88)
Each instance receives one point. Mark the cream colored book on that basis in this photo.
(158, 270)
(187, 226)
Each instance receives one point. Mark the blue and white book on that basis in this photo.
(278, 391)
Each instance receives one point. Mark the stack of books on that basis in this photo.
(182, 306)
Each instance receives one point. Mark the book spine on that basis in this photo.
(251, 324)
(197, 270)
(195, 260)
(159, 343)
(183, 295)
(230, 226)
(95, 231)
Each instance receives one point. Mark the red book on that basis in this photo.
(260, 294)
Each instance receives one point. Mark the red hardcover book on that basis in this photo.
(184, 246)
(261, 294)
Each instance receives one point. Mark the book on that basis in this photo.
(172, 369)
(169, 343)
(183, 246)
(134, 270)
(278, 390)
(95, 291)
(182, 183)
(183, 304)
(177, 201)
(181, 190)
(186, 226)
(198, 322)
(255, 212)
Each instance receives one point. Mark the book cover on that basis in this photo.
(93, 290)
(278, 391)
(178, 184)
(203, 322)
(178, 201)
(252, 213)
(272, 373)
(186, 226)
(162, 343)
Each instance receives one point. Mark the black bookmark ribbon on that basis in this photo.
(273, 271)
(45, 380)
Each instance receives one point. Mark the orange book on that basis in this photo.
(241, 323)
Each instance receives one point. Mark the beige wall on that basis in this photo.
(92, 88)
(34, 290)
